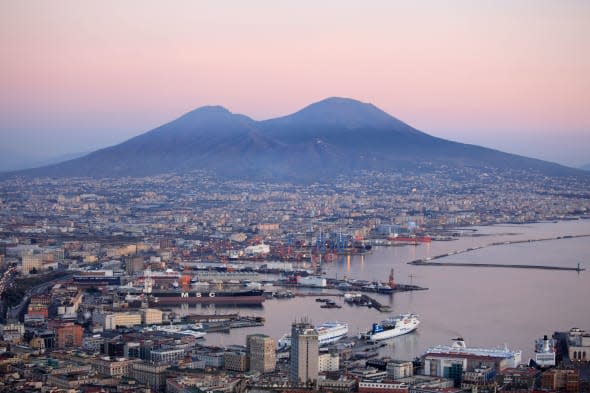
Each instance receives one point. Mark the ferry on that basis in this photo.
(411, 239)
(328, 333)
(392, 327)
(545, 352)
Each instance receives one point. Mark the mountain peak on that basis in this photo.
(212, 112)
(210, 115)
(344, 112)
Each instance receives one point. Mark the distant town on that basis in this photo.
(97, 276)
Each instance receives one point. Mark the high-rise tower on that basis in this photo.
(304, 353)
(261, 351)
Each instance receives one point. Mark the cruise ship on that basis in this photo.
(545, 352)
(392, 327)
(328, 333)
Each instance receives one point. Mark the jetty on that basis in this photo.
(368, 301)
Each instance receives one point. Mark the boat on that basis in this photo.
(328, 333)
(392, 327)
(170, 297)
(410, 239)
(352, 297)
(545, 352)
(330, 304)
(193, 333)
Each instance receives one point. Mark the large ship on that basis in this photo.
(392, 327)
(182, 293)
(414, 239)
(545, 352)
(328, 333)
(171, 297)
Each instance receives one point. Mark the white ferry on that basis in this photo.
(392, 327)
(328, 333)
(545, 352)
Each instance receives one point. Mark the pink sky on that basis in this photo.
(515, 75)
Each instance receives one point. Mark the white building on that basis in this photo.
(329, 362)
(257, 249)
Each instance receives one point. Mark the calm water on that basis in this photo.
(487, 306)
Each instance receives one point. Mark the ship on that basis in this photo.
(414, 239)
(328, 333)
(172, 297)
(545, 352)
(392, 327)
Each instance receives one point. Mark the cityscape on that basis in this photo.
(321, 245)
(123, 285)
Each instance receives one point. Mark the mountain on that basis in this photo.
(331, 137)
(585, 167)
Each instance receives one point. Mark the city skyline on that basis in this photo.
(510, 76)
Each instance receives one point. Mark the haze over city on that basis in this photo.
(81, 76)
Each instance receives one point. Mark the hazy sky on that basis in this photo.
(78, 75)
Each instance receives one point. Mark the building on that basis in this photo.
(118, 367)
(329, 362)
(110, 321)
(68, 335)
(166, 356)
(133, 265)
(261, 350)
(480, 380)
(561, 379)
(304, 353)
(213, 359)
(153, 375)
(235, 361)
(12, 332)
(578, 345)
(518, 379)
(31, 262)
(151, 316)
(397, 369)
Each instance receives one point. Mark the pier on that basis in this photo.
(365, 300)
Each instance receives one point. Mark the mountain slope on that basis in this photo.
(331, 137)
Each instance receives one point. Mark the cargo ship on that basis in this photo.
(172, 297)
(392, 327)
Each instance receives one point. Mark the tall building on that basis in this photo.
(261, 351)
(304, 353)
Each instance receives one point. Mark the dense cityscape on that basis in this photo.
(100, 276)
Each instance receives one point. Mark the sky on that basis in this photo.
(80, 75)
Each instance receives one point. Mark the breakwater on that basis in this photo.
(513, 266)
(430, 261)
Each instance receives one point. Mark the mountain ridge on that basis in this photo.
(324, 139)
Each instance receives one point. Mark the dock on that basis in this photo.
(365, 300)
